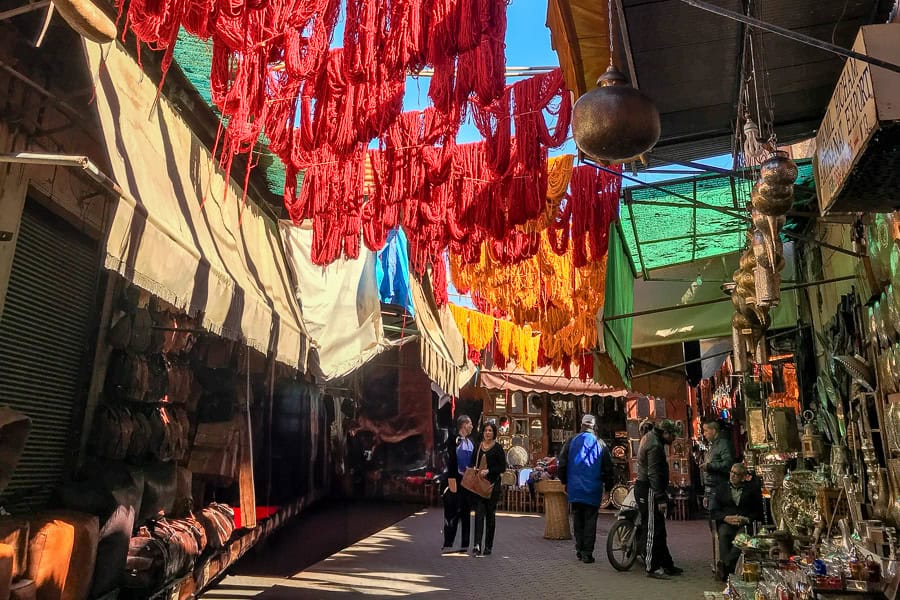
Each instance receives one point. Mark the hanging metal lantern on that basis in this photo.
(811, 440)
(615, 122)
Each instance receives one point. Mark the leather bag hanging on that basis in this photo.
(145, 566)
(14, 428)
(474, 482)
(218, 521)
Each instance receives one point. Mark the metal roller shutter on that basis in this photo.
(43, 335)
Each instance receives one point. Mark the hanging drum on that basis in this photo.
(615, 122)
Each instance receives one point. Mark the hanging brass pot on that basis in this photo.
(615, 122)
(773, 194)
(778, 168)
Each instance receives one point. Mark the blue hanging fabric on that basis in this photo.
(392, 271)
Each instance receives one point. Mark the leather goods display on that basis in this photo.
(180, 384)
(141, 331)
(183, 493)
(14, 533)
(219, 353)
(141, 437)
(159, 491)
(112, 551)
(475, 483)
(6, 569)
(14, 428)
(128, 377)
(163, 551)
(215, 450)
(184, 338)
(23, 589)
(112, 432)
(167, 441)
(182, 545)
(106, 486)
(62, 554)
(218, 521)
(145, 564)
(163, 331)
(119, 334)
(216, 408)
(158, 379)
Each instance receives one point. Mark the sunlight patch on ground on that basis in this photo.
(376, 584)
(379, 542)
(519, 515)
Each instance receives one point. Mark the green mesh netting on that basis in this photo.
(664, 228)
(194, 57)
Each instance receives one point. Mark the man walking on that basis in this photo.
(650, 492)
(584, 466)
(457, 503)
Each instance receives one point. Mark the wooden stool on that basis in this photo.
(556, 509)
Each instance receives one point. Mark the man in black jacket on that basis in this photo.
(652, 498)
(719, 459)
(457, 502)
(735, 504)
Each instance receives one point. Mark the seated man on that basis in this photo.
(735, 504)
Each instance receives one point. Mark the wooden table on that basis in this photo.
(556, 509)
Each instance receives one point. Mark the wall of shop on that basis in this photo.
(51, 224)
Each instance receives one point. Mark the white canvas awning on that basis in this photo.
(339, 302)
(443, 350)
(180, 230)
(544, 379)
(676, 285)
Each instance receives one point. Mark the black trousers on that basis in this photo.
(652, 533)
(584, 517)
(457, 515)
(486, 518)
(728, 554)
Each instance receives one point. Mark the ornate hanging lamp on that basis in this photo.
(614, 123)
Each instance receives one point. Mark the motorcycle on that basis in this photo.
(621, 541)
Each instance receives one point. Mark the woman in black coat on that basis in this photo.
(486, 508)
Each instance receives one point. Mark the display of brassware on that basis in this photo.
(892, 422)
(798, 502)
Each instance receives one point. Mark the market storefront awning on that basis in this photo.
(180, 230)
(546, 380)
(443, 350)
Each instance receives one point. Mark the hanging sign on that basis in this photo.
(863, 100)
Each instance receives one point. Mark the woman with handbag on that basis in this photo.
(490, 462)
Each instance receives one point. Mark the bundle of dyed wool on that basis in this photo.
(273, 56)
(551, 292)
(509, 341)
(592, 203)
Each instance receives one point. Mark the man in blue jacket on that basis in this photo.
(584, 467)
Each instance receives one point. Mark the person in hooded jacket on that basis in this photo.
(585, 467)
(650, 492)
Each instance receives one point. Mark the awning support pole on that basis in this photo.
(792, 35)
(724, 211)
(653, 311)
(702, 358)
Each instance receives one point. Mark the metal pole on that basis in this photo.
(725, 211)
(27, 8)
(653, 311)
(793, 35)
(702, 358)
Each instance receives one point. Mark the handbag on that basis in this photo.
(474, 482)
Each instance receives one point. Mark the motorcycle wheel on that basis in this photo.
(621, 545)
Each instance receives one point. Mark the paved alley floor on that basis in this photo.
(404, 560)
